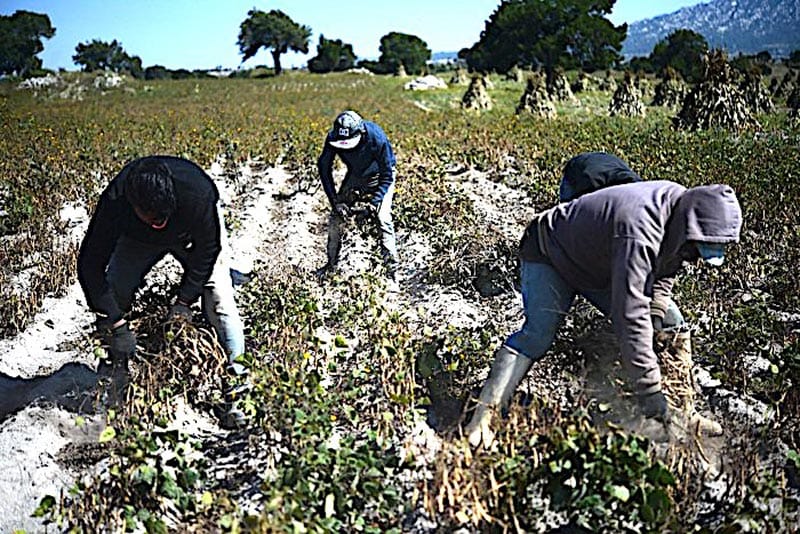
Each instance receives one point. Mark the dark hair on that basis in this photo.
(149, 187)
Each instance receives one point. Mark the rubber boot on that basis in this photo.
(675, 354)
(508, 370)
(324, 271)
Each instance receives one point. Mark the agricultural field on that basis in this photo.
(361, 386)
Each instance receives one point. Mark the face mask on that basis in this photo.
(712, 253)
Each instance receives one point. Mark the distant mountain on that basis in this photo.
(746, 26)
(444, 56)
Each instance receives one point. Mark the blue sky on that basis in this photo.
(201, 34)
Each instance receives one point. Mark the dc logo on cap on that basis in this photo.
(344, 132)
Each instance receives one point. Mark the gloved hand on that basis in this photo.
(121, 341)
(367, 213)
(658, 323)
(341, 209)
(654, 405)
(181, 311)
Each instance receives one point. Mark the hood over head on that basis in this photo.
(712, 214)
(705, 214)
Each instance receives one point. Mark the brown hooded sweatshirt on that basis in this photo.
(631, 240)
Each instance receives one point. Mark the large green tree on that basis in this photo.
(21, 39)
(403, 49)
(100, 55)
(549, 34)
(683, 50)
(274, 31)
(332, 55)
(794, 58)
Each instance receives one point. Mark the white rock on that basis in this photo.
(425, 83)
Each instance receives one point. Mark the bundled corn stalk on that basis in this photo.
(793, 101)
(715, 102)
(558, 86)
(535, 99)
(671, 91)
(773, 86)
(608, 83)
(674, 350)
(584, 82)
(627, 100)
(784, 88)
(477, 95)
(644, 85)
(459, 77)
(755, 94)
(515, 74)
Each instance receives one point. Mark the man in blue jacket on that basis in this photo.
(156, 206)
(367, 154)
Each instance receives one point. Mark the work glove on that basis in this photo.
(341, 209)
(658, 323)
(121, 341)
(369, 212)
(654, 405)
(179, 311)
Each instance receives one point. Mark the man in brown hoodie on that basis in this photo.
(620, 247)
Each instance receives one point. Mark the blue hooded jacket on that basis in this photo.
(369, 165)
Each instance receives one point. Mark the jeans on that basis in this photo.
(132, 260)
(546, 299)
(385, 224)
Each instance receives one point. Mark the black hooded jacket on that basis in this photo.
(591, 171)
(195, 226)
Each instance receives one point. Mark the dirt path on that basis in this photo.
(46, 376)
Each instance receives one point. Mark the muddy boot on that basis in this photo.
(324, 271)
(508, 370)
(675, 355)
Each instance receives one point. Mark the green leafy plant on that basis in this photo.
(605, 480)
(151, 481)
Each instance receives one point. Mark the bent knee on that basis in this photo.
(532, 346)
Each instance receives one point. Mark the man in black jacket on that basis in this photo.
(155, 206)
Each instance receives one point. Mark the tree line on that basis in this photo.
(535, 34)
